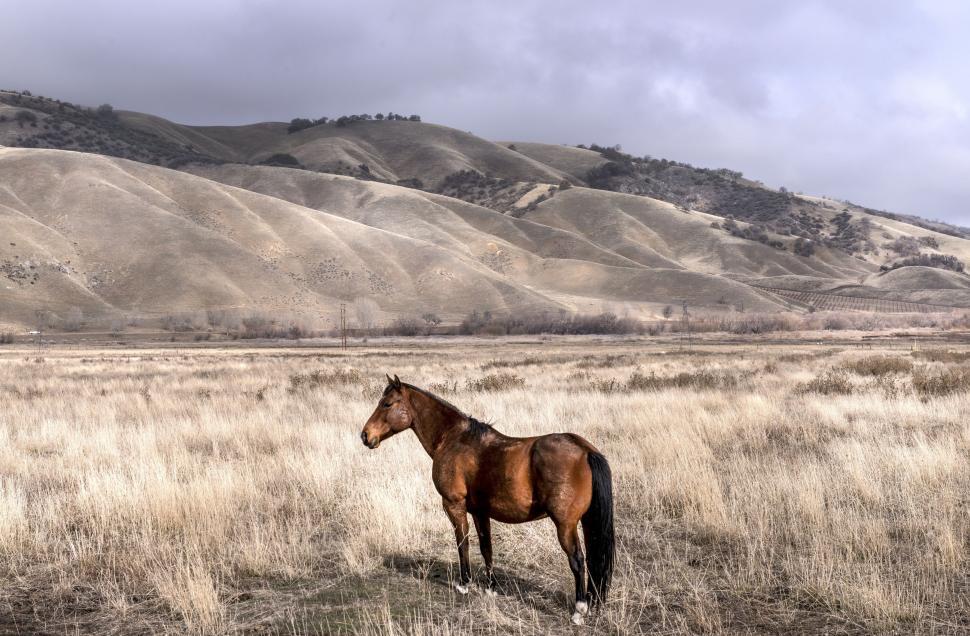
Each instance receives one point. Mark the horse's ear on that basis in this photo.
(397, 382)
(389, 380)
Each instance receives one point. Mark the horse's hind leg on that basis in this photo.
(483, 526)
(568, 533)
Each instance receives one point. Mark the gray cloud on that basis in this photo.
(862, 100)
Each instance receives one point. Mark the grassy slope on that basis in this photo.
(392, 150)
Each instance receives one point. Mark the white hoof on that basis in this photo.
(461, 589)
(490, 592)
(577, 618)
(582, 608)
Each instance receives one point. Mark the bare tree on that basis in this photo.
(74, 319)
(366, 311)
(430, 322)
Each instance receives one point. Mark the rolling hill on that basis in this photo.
(121, 216)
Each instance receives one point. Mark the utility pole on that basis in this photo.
(690, 340)
(343, 325)
(40, 314)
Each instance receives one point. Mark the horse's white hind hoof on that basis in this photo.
(461, 589)
(577, 618)
(582, 608)
(490, 592)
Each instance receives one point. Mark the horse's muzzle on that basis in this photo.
(368, 443)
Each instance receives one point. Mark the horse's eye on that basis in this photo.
(386, 405)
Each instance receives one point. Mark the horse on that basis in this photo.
(478, 470)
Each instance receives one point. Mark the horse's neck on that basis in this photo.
(432, 420)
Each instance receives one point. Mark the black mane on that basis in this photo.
(479, 428)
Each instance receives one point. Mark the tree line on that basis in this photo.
(301, 123)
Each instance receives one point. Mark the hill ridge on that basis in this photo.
(375, 212)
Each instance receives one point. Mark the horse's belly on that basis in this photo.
(506, 508)
(516, 517)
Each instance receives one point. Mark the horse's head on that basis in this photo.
(391, 416)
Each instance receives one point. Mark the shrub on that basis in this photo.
(939, 383)
(939, 261)
(414, 183)
(430, 321)
(699, 380)
(607, 385)
(180, 322)
(261, 325)
(804, 247)
(403, 327)
(879, 365)
(496, 382)
(443, 388)
(904, 246)
(6, 338)
(297, 124)
(601, 177)
(319, 378)
(25, 117)
(563, 324)
(505, 364)
(938, 355)
(282, 159)
(74, 320)
(831, 382)
(106, 112)
(752, 233)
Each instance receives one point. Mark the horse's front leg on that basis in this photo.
(483, 525)
(458, 515)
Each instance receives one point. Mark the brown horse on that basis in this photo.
(478, 470)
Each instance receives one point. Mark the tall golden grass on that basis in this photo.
(216, 491)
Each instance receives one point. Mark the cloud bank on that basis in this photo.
(861, 100)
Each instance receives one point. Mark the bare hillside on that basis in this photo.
(573, 161)
(650, 231)
(560, 263)
(113, 236)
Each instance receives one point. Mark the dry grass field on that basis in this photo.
(760, 489)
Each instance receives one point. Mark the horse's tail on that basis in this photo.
(598, 529)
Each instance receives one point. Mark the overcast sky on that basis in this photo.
(865, 100)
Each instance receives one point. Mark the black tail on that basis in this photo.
(598, 530)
